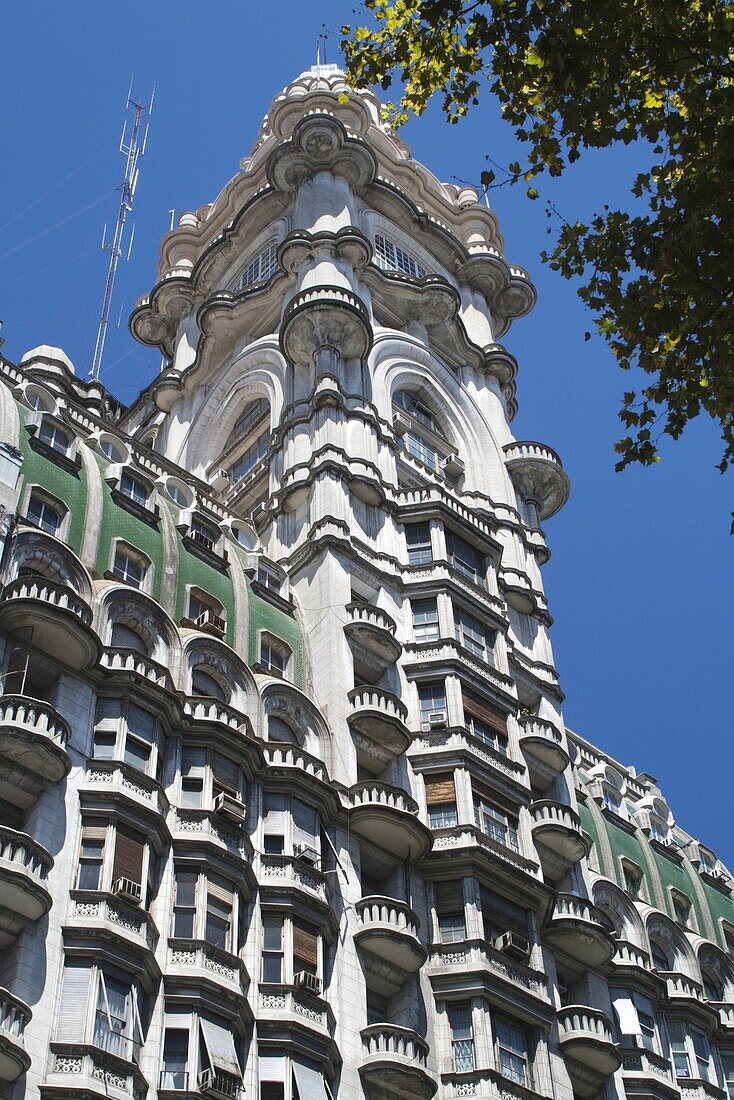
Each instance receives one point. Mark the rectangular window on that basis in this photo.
(174, 1074)
(418, 538)
(475, 637)
(184, 908)
(43, 514)
(129, 854)
(391, 257)
(727, 1065)
(421, 449)
(305, 948)
(91, 859)
(133, 488)
(495, 822)
(272, 659)
(512, 1049)
(449, 897)
(425, 620)
(250, 458)
(484, 723)
(679, 1048)
(117, 1025)
(269, 579)
(464, 558)
(441, 801)
(462, 1037)
(128, 568)
(273, 949)
(646, 1019)
(54, 436)
(219, 906)
(432, 699)
(500, 915)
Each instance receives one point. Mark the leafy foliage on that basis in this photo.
(576, 74)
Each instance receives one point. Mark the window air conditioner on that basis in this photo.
(257, 511)
(309, 982)
(220, 480)
(209, 619)
(512, 944)
(437, 720)
(221, 1085)
(400, 423)
(127, 889)
(227, 806)
(202, 539)
(453, 465)
(306, 854)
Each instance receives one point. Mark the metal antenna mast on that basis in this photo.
(133, 149)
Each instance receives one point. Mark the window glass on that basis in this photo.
(273, 949)
(128, 567)
(43, 514)
(205, 685)
(184, 909)
(425, 620)
(475, 637)
(462, 1037)
(512, 1049)
(390, 256)
(54, 436)
(110, 450)
(418, 538)
(124, 637)
(174, 1074)
(432, 702)
(272, 658)
(250, 458)
(91, 858)
(262, 267)
(421, 449)
(495, 822)
(133, 488)
(464, 558)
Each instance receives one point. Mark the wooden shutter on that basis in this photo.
(75, 993)
(220, 1047)
(485, 713)
(305, 943)
(440, 788)
(226, 773)
(449, 895)
(128, 861)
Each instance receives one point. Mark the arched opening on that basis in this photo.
(124, 637)
(661, 958)
(422, 433)
(207, 686)
(280, 731)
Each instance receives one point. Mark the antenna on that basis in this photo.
(132, 150)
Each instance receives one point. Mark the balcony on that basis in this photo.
(471, 964)
(647, 1074)
(544, 751)
(24, 867)
(585, 1035)
(681, 988)
(538, 475)
(518, 591)
(557, 834)
(372, 632)
(14, 1015)
(61, 620)
(388, 929)
(576, 929)
(377, 720)
(630, 957)
(196, 959)
(33, 739)
(395, 1063)
(388, 817)
(129, 664)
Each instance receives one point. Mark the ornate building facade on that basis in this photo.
(288, 809)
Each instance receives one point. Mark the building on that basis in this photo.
(289, 810)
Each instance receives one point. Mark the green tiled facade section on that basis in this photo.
(117, 522)
(721, 907)
(193, 570)
(624, 843)
(676, 875)
(56, 480)
(265, 616)
(588, 824)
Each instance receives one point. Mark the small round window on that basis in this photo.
(179, 493)
(111, 448)
(39, 399)
(245, 536)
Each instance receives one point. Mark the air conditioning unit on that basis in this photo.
(400, 423)
(221, 1085)
(257, 511)
(203, 540)
(127, 889)
(306, 854)
(220, 480)
(309, 982)
(453, 465)
(512, 944)
(227, 806)
(437, 720)
(208, 619)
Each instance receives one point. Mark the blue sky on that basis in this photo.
(640, 579)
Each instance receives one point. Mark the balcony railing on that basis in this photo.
(381, 794)
(387, 911)
(366, 615)
(21, 851)
(117, 659)
(35, 715)
(59, 595)
(398, 1042)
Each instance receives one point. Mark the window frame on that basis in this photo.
(47, 501)
(119, 728)
(198, 910)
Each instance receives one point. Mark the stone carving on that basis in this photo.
(63, 1064)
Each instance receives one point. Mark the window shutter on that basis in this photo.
(626, 1013)
(141, 723)
(108, 708)
(305, 944)
(226, 773)
(493, 799)
(75, 994)
(309, 1080)
(503, 914)
(128, 861)
(484, 713)
(220, 1047)
(440, 788)
(274, 813)
(272, 1066)
(449, 896)
(193, 762)
(305, 825)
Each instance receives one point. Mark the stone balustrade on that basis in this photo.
(680, 986)
(290, 756)
(381, 794)
(126, 781)
(629, 954)
(205, 709)
(397, 1042)
(14, 1016)
(131, 662)
(58, 595)
(547, 812)
(210, 961)
(367, 697)
(529, 449)
(376, 909)
(22, 852)
(36, 716)
(368, 615)
(580, 1020)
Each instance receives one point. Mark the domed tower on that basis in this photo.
(331, 324)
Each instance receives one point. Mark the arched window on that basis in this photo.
(124, 637)
(660, 957)
(279, 730)
(422, 436)
(44, 512)
(252, 415)
(204, 684)
(713, 986)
